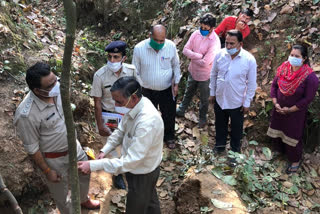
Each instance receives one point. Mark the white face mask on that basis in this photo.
(114, 66)
(122, 109)
(55, 91)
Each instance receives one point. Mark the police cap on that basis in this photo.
(116, 47)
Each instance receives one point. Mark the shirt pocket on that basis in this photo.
(106, 91)
(165, 62)
(50, 122)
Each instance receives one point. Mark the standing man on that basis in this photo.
(201, 49)
(232, 22)
(140, 133)
(102, 81)
(40, 124)
(157, 63)
(232, 87)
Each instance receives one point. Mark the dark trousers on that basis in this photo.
(142, 195)
(294, 154)
(164, 99)
(221, 123)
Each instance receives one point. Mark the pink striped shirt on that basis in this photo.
(201, 50)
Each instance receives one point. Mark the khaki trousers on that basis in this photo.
(59, 191)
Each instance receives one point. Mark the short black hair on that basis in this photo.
(248, 12)
(304, 52)
(208, 19)
(35, 73)
(127, 86)
(236, 33)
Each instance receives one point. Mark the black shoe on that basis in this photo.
(118, 182)
(232, 162)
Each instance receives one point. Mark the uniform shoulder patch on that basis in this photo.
(27, 107)
(101, 71)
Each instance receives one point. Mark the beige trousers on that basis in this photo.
(59, 191)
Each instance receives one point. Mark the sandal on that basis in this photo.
(292, 169)
(170, 144)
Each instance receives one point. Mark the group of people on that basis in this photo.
(226, 77)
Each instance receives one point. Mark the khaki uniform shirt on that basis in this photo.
(103, 80)
(41, 125)
(140, 133)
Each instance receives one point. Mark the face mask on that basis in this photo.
(155, 45)
(122, 109)
(232, 51)
(114, 66)
(294, 61)
(204, 32)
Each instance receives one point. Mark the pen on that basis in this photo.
(48, 118)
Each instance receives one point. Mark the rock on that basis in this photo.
(197, 189)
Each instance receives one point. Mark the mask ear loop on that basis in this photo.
(130, 97)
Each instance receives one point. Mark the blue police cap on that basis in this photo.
(116, 47)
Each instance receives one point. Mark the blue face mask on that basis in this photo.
(204, 32)
(294, 61)
(232, 51)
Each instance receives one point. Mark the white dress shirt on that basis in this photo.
(233, 81)
(157, 70)
(140, 133)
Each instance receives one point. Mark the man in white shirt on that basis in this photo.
(232, 87)
(157, 63)
(140, 133)
(102, 81)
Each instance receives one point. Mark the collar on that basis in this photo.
(40, 103)
(133, 113)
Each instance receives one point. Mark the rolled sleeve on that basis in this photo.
(252, 83)
(96, 90)
(29, 134)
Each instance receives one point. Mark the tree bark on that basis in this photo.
(8, 195)
(70, 13)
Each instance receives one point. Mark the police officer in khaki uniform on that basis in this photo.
(40, 124)
(102, 81)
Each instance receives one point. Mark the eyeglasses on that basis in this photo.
(47, 89)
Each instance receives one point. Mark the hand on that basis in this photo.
(101, 155)
(240, 25)
(105, 131)
(245, 109)
(212, 99)
(278, 107)
(84, 167)
(53, 177)
(175, 90)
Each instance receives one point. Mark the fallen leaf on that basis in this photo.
(116, 199)
(196, 132)
(247, 124)
(252, 113)
(160, 181)
(163, 194)
(272, 16)
(287, 184)
(286, 9)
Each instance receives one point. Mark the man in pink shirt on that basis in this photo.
(201, 49)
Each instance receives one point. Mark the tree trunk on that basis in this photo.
(70, 13)
(8, 196)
